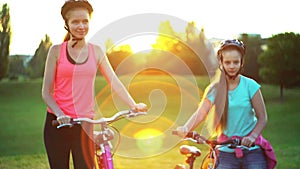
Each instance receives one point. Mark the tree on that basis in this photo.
(16, 67)
(280, 61)
(253, 44)
(5, 37)
(36, 65)
(199, 58)
(189, 47)
(116, 55)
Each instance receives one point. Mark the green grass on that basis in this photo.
(283, 125)
(22, 115)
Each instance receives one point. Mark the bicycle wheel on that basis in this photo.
(208, 162)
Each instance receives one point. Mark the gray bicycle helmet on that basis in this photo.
(233, 43)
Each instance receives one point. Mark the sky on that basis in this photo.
(31, 20)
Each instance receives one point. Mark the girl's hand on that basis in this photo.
(248, 141)
(140, 107)
(63, 119)
(181, 131)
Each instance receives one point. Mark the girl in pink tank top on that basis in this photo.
(68, 89)
(78, 100)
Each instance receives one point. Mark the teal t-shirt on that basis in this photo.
(241, 115)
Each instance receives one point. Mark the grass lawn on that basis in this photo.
(23, 113)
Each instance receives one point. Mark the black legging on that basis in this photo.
(60, 142)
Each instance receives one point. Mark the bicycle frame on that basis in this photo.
(209, 161)
(104, 158)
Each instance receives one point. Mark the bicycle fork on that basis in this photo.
(209, 162)
(106, 161)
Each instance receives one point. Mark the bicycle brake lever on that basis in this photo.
(190, 139)
(243, 147)
(64, 125)
(132, 114)
(237, 143)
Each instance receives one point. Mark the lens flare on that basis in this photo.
(149, 140)
(159, 77)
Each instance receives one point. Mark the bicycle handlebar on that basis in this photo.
(200, 139)
(126, 113)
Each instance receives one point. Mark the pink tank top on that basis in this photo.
(74, 84)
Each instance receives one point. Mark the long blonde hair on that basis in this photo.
(219, 110)
(221, 101)
(216, 119)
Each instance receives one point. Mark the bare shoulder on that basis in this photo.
(54, 51)
(98, 52)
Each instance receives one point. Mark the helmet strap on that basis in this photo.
(232, 77)
(74, 38)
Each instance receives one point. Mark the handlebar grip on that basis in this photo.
(190, 134)
(175, 132)
(55, 123)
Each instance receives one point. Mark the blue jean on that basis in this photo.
(254, 159)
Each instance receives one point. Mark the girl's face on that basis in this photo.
(78, 22)
(232, 61)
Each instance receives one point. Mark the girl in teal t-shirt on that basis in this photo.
(238, 108)
(241, 116)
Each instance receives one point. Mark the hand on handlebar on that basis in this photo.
(181, 131)
(248, 141)
(139, 107)
(64, 120)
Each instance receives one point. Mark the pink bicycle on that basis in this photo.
(103, 153)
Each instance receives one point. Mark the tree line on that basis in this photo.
(15, 66)
(274, 60)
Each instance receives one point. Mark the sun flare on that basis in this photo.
(149, 139)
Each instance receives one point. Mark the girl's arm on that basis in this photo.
(261, 114)
(49, 73)
(108, 72)
(196, 118)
